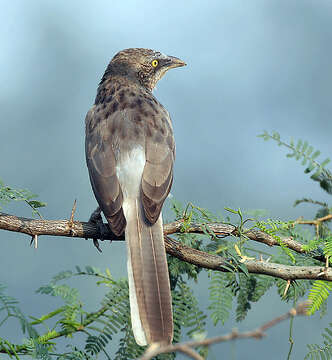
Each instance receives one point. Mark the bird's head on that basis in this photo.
(145, 65)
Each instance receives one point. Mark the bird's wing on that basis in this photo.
(158, 171)
(102, 170)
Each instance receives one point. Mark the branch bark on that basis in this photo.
(77, 229)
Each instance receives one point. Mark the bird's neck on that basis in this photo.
(110, 86)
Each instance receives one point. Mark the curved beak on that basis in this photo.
(174, 62)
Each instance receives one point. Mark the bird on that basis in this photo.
(130, 152)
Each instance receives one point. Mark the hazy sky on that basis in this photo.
(252, 66)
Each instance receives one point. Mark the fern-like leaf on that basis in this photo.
(221, 297)
(305, 152)
(328, 247)
(75, 354)
(186, 312)
(246, 289)
(114, 320)
(67, 293)
(272, 227)
(319, 292)
(9, 309)
(128, 349)
(296, 290)
(8, 194)
(321, 352)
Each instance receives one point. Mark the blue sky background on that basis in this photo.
(252, 66)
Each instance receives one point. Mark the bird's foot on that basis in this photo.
(97, 220)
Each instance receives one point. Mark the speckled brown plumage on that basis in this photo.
(127, 128)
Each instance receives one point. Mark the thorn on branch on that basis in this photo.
(286, 288)
(34, 241)
(71, 220)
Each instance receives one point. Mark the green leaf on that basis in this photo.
(231, 210)
(220, 297)
(318, 294)
(315, 155)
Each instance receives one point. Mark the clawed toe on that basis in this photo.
(96, 219)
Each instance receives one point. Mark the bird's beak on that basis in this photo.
(174, 62)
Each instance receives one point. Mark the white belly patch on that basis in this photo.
(129, 171)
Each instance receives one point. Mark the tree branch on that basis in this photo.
(316, 222)
(256, 334)
(77, 229)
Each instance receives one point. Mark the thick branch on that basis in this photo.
(89, 230)
(215, 262)
(79, 229)
(224, 230)
(66, 228)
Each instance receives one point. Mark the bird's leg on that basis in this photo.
(97, 220)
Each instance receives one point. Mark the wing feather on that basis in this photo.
(157, 176)
(102, 171)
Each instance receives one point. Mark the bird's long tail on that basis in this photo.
(149, 287)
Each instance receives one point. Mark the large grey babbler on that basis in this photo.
(130, 153)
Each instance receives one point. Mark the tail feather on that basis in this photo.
(149, 288)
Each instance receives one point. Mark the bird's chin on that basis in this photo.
(157, 77)
(162, 72)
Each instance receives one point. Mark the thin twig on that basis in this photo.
(290, 337)
(316, 222)
(255, 334)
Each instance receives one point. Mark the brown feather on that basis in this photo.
(102, 174)
(150, 272)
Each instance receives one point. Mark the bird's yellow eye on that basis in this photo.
(154, 63)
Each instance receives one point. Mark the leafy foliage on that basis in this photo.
(321, 245)
(250, 289)
(318, 294)
(187, 314)
(108, 328)
(328, 246)
(8, 194)
(321, 352)
(74, 354)
(100, 327)
(9, 309)
(186, 305)
(221, 297)
(301, 150)
(179, 270)
(296, 290)
(272, 227)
